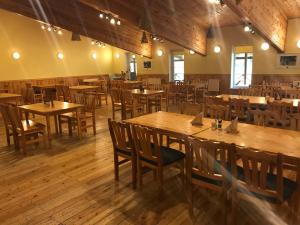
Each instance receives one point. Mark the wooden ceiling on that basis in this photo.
(184, 22)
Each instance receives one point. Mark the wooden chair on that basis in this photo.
(123, 147)
(9, 131)
(116, 101)
(258, 116)
(131, 105)
(207, 165)
(217, 112)
(37, 94)
(152, 155)
(100, 92)
(278, 114)
(239, 108)
(256, 182)
(26, 131)
(191, 108)
(88, 114)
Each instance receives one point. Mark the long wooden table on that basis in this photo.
(49, 110)
(262, 138)
(257, 100)
(170, 122)
(8, 97)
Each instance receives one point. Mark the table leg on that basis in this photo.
(56, 123)
(78, 122)
(48, 130)
(147, 104)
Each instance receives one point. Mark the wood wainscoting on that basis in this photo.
(15, 86)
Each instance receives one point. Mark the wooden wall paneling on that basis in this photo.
(81, 19)
(266, 16)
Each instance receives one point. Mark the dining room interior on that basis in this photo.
(149, 112)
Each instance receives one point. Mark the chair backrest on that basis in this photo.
(66, 93)
(208, 159)
(115, 95)
(147, 144)
(256, 166)
(190, 108)
(121, 136)
(90, 103)
(14, 117)
(239, 106)
(281, 108)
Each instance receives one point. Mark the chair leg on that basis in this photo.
(70, 127)
(7, 137)
(160, 173)
(94, 124)
(139, 174)
(116, 165)
(113, 112)
(134, 172)
(59, 125)
(23, 144)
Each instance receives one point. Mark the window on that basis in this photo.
(133, 69)
(242, 61)
(178, 67)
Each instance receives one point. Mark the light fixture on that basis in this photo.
(247, 28)
(144, 39)
(217, 49)
(133, 56)
(298, 43)
(49, 29)
(59, 32)
(16, 55)
(112, 21)
(60, 55)
(75, 37)
(117, 55)
(192, 52)
(265, 46)
(93, 42)
(94, 55)
(159, 52)
(43, 27)
(156, 38)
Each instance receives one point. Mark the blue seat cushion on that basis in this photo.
(168, 156)
(289, 186)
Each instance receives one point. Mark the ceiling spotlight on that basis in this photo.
(60, 55)
(101, 15)
(103, 46)
(159, 52)
(192, 52)
(247, 28)
(93, 42)
(107, 17)
(49, 29)
(119, 22)
(265, 46)
(117, 55)
(59, 32)
(16, 55)
(217, 49)
(43, 27)
(112, 21)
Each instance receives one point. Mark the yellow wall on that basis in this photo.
(39, 57)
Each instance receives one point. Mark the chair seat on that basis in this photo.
(124, 152)
(168, 156)
(289, 186)
(31, 126)
(72, 115)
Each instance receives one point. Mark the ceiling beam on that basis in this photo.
(161, 18)
(266, 17)
(82, 19)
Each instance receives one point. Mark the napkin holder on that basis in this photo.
(198, 120)
(232, 128)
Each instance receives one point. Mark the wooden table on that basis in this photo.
(83, 88)
(8, 97)
(131, 84)
(261, 138)
(48, 110)
(170, 123)
(257, 100)
(147, 94)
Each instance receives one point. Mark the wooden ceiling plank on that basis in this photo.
(266, 17)
(81, 19)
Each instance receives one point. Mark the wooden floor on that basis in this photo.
(73, 183)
